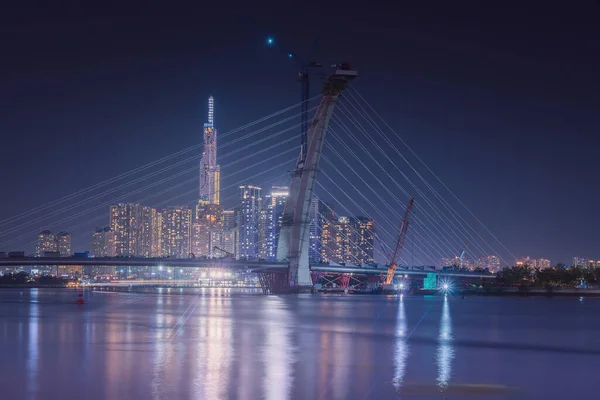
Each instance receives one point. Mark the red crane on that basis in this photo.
(399, 244)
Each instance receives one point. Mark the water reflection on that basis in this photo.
(33, 342)
(160, 339)
(278, 351)
(445, 350)
(214, 348)
(401, 351)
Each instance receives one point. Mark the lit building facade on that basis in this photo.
(579, 262)
(231, 234)
(207, 230)
(490, 262)
(364, 239)
(103, 242)
(539, 263)
(249, 215)
(146, 239)
(315, 229)
(275, 203)
(135, 229)
(46, 242)
(63, 244)
(176, 230)
(210, 172)
(124, 222)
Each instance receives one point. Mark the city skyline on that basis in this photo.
(470, 121)
(148, 220)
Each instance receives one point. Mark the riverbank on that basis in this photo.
(559, 292)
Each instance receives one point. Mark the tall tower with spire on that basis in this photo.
(210, 172)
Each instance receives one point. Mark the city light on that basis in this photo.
(270, 41)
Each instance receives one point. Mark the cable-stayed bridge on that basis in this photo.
(364, 173)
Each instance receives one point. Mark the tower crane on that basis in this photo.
(399, 244)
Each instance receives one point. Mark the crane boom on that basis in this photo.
(399, 244)
(462, 253)
(224, 251)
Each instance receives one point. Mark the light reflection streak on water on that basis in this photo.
(33, 343)
(445, 350)
(278, 350)
(402, 349)
(214, 348)
(160, 341)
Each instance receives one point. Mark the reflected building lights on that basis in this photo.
(401, 351)
(214, 349)
(33, 343)
(278, 351)
(445, 350)
(161, 337)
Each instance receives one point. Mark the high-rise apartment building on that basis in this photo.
(146, 241)
(103, 242)
(316, 226)
(231, 235)
(207, 230)
(579, 262)
(490, 262)
(135, 230)
(363, 228)
(46, 242)
(63, 244)
(210, 172)
(540, 263)
(249, 215)
(124, 222)
(346, 239)
(176, 229)
(273, 211)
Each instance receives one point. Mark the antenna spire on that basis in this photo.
(211, 110)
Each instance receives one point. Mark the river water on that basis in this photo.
(223, 345)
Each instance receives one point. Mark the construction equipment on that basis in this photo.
(462, 254)
(399, 244)
(223, 251)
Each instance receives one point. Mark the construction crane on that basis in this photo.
(399, 244)
(224, 251)
(462, 254)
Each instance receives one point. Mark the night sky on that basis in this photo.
(502, 103)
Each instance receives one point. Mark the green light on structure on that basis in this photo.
(430, 282)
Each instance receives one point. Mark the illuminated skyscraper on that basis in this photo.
(275, 202)
(146, 232)
(63, 244)
(176, 229)
(124, 222)
(210, 172)
(231, 234)
(103, 242)
(135, 230)
(250, 198)
(46, 242)
(364, 239)
(207, 230)
(346, 239)
(316, 226)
